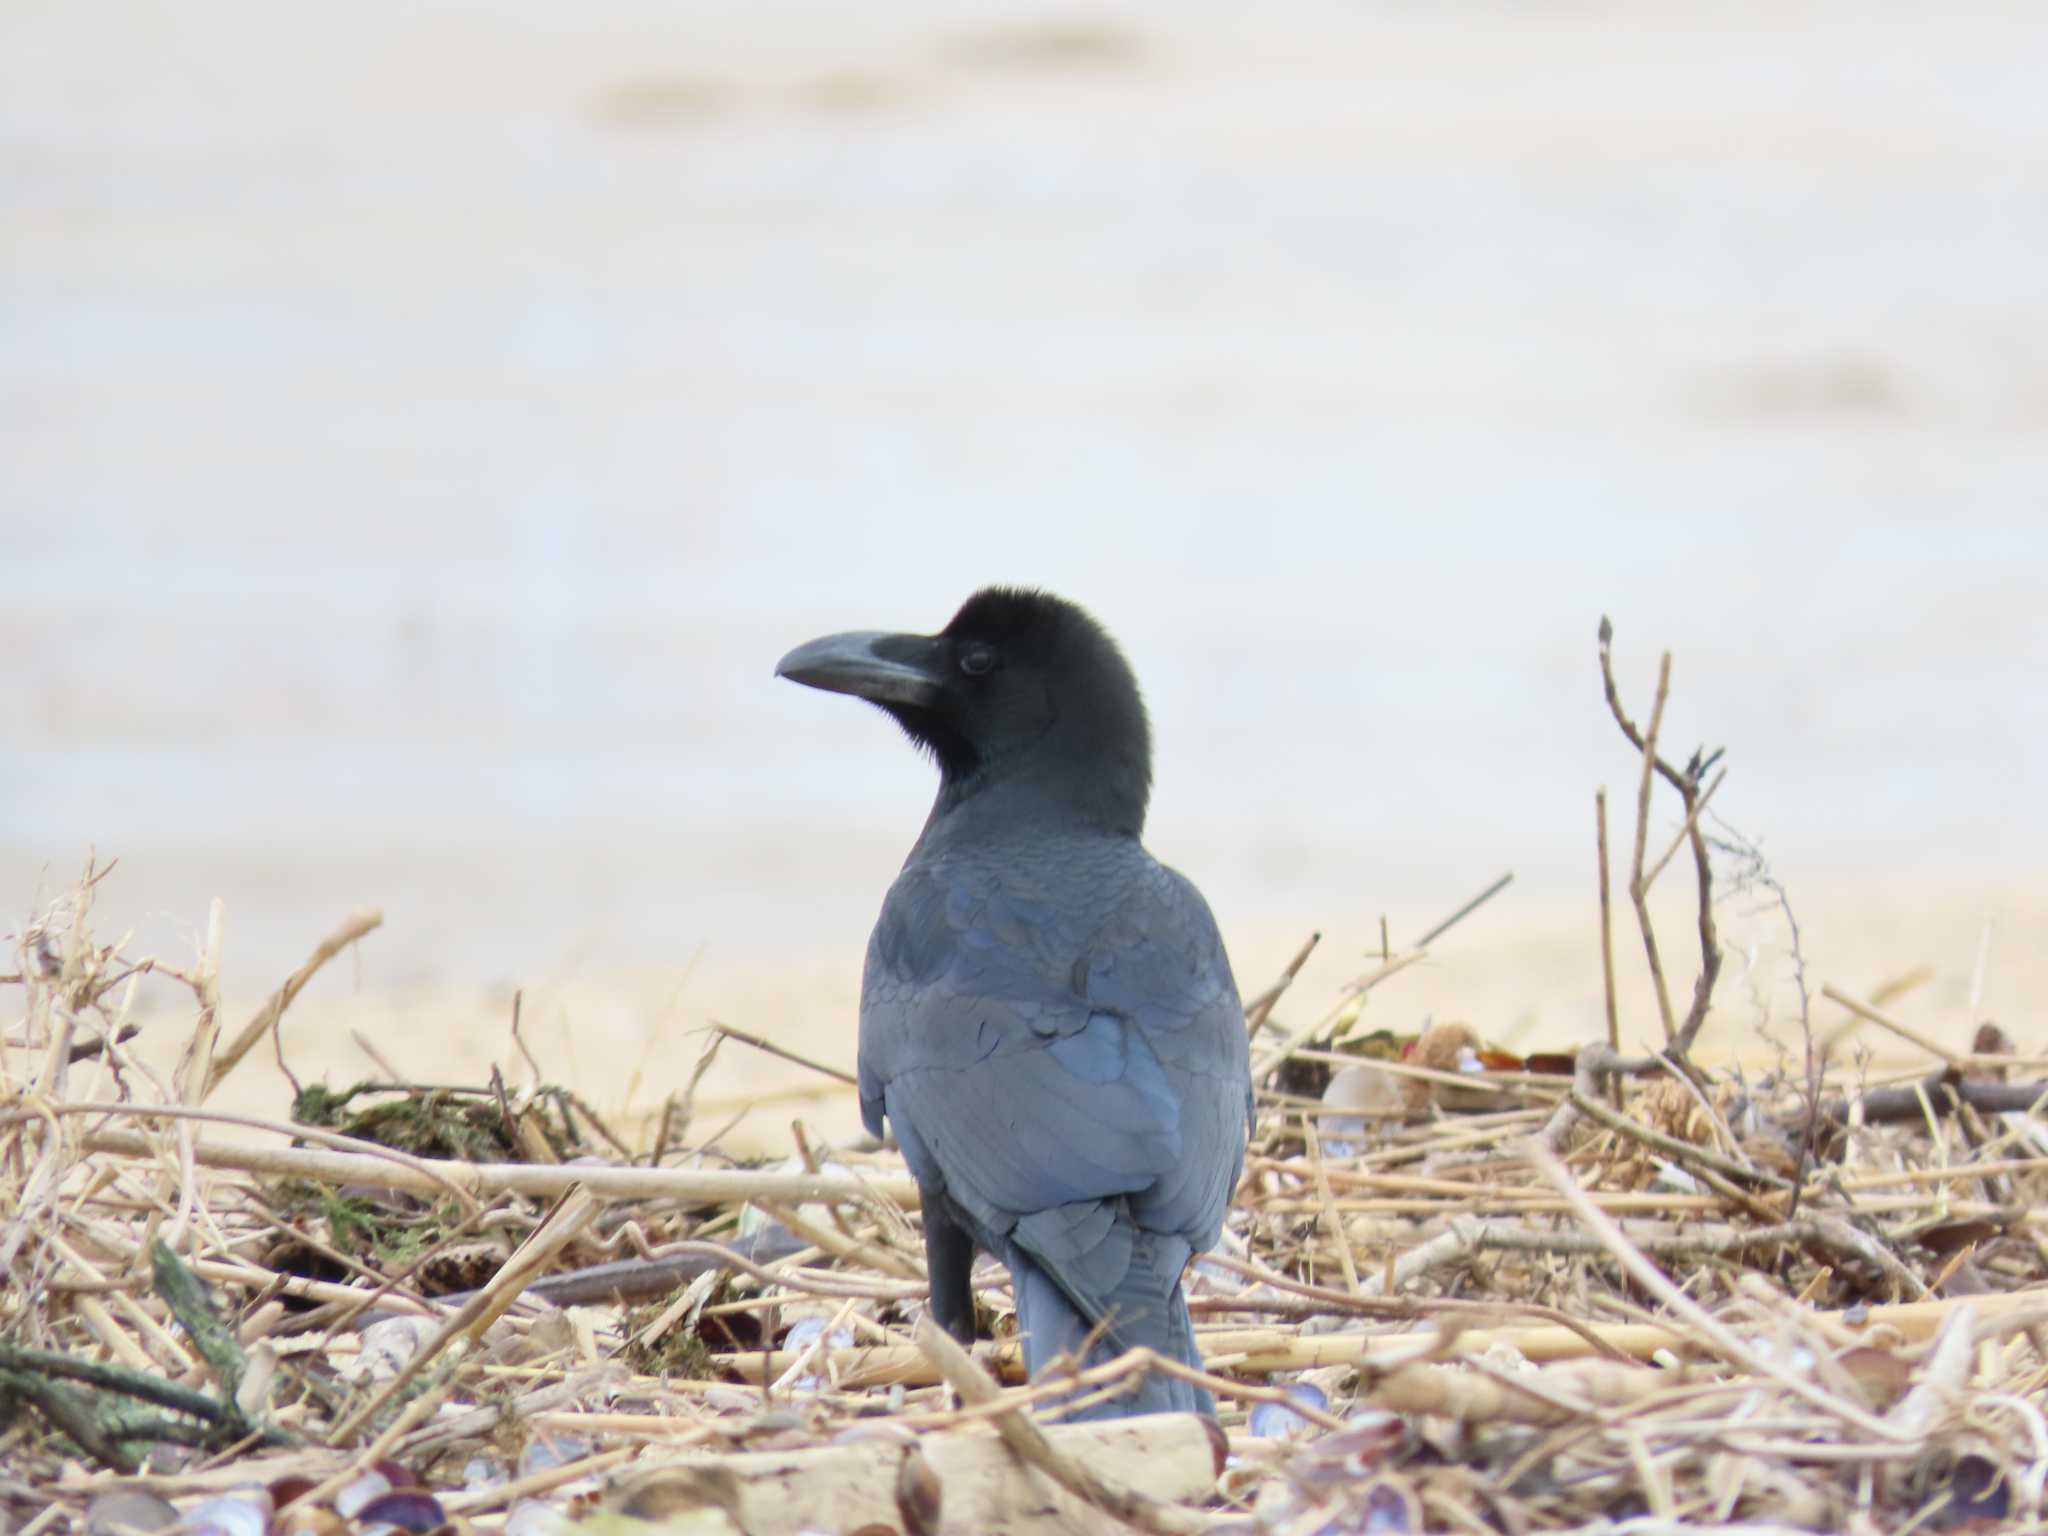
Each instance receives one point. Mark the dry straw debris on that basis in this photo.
(1460, 1290)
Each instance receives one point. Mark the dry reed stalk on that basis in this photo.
(485, 1181)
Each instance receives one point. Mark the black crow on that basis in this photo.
(1047, 1017)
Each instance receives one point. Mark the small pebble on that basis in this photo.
(543, 1453)
(128, 1512)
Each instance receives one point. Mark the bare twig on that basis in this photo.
(733, 1032)
(1864, 1011)
(1464, 911)
(1679, 1037)
(1607, 938)
(1638, 886)
(266, 1019)
(1260, 1007)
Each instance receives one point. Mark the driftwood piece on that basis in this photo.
(980, 1486)
(1116, 1496)
(1940, 1092)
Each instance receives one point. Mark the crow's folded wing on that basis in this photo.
(1059, 1045)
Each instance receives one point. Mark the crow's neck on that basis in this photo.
(1099, 794)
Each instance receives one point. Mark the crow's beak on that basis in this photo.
(881, 668)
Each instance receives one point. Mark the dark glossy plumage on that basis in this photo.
(1048, 1019)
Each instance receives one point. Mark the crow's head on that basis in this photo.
(1022, 692)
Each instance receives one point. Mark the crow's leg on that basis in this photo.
(949, 1260)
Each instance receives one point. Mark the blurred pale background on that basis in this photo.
(425, 425)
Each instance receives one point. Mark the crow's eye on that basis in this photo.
(978, 662)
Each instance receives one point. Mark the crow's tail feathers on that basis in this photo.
(1145, 1309)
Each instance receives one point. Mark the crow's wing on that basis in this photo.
(1056, 1038)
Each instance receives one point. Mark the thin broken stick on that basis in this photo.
(1260, 1008)
(1903, 1031)
(267, 1018)
(772, 1049)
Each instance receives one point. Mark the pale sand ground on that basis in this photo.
(1525, 978)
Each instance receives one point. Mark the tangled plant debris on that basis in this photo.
(1460, 1288)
